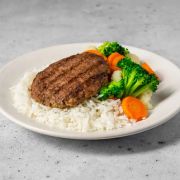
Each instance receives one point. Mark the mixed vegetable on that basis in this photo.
(135, 80)
(132, 81)
(107, 48)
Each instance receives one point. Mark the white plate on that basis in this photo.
(167, 98)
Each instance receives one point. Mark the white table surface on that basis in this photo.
(28, 25)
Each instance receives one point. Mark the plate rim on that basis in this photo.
(88, 135)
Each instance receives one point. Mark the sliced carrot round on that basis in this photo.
(134, 108)
(94, 51)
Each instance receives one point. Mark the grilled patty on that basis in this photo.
(70, 81)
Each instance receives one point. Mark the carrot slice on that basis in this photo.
(134, 108)
(147, 68)
(116, 60)
(114, 68)
(114, 56)
(113, 59)
(94, 51)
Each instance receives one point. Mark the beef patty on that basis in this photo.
(70, 81)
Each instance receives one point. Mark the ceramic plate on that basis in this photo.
(166, 99)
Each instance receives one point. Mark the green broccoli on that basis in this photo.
(135, 81)
(113, 89)
(151, 85)
(107, 48)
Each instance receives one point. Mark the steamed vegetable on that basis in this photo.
(113, 59)
(114, 89)
(134, 108)
(147, 68)
(107, 48)
(135, 80)
(146, 99)
(116, 76)
(95, 51)
(134, 58)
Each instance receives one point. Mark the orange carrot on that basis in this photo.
(114, 68)
(116, 60)
(147, 68)
(94, 51)
(113, 59)
(134, 108)
(112, 56)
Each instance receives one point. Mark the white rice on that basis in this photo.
(92, 115)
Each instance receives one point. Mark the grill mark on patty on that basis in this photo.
(69, 87)
(64, 69)
(57, 87)
(50, 73)
(83, 71)
(84, 87)
(58, 67)
(82, 68)
(52, 70)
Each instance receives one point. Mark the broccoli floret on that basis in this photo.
(135, 81)
(107, 48)
(104, 93)
(113, 89)
(151, 85)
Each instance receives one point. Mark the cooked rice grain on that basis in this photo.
(92, 115)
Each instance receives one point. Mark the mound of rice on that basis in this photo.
(92, 115)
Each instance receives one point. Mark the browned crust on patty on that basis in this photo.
(70, 81)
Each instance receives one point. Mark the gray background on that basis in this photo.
(29, 25)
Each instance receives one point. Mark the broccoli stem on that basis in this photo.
(141, 90)
(135, 86)
(130, 82)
